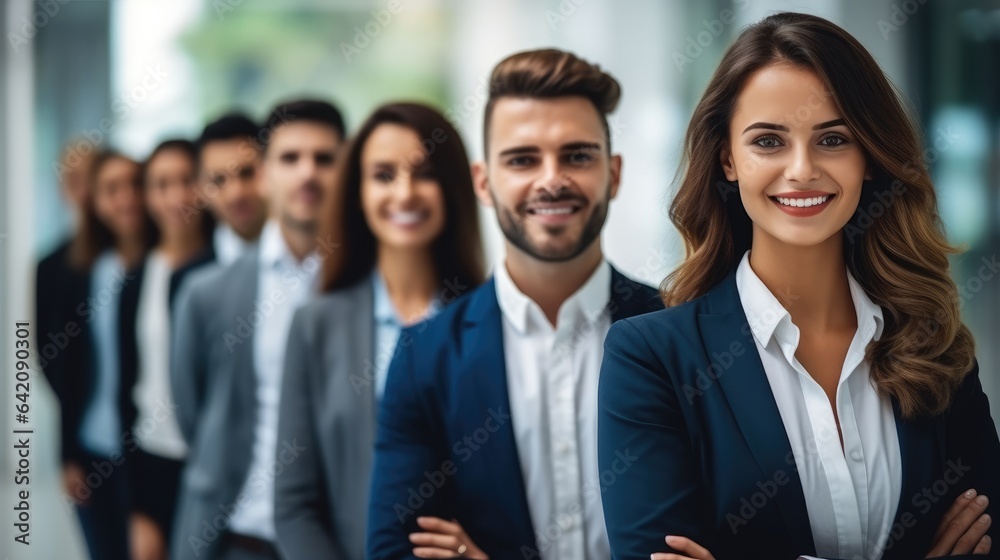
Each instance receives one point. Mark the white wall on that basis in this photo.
(54, 530)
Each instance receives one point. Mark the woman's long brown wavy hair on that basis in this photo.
(894, 245)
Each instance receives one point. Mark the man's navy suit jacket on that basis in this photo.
(445, 445)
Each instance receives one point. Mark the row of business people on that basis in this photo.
(343, 382)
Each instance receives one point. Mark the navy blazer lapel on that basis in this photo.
(921, 450)
(483, 394)
(630, 298)
(749, 396)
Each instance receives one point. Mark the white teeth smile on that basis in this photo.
(802, 202)
(553, 211)
(406, 218)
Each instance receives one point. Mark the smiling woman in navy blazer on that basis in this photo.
(810, 389)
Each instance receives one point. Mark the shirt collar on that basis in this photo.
(585, 305)
(768, 317)
(109, 260)
(869, 314)
(385, 311)
(227, 243)
(274, 249)
(276, 256)
(385, 314)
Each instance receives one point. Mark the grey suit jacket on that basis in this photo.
(328, 410)
(213, 384)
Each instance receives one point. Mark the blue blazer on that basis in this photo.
(445, 445)
(683, 390)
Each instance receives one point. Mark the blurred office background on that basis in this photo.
(129, 73)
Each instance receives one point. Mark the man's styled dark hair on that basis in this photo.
(232, 126)
(550, 73)
(308, 110)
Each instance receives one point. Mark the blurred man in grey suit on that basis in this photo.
(229, 345)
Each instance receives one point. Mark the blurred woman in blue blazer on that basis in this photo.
(811, 388)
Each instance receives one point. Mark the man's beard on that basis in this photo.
(307, 225)
(513, 228)
(304, 226)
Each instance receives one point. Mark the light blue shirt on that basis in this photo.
(228, 244)
(283, 284)
(100, 430)
(387, 328)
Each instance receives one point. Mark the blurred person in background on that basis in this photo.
(228, 346)
(87, 376)
(409, 226)
(492, 403)
(157, 448)
(55, 275)
(74, 168)
(228, 175)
